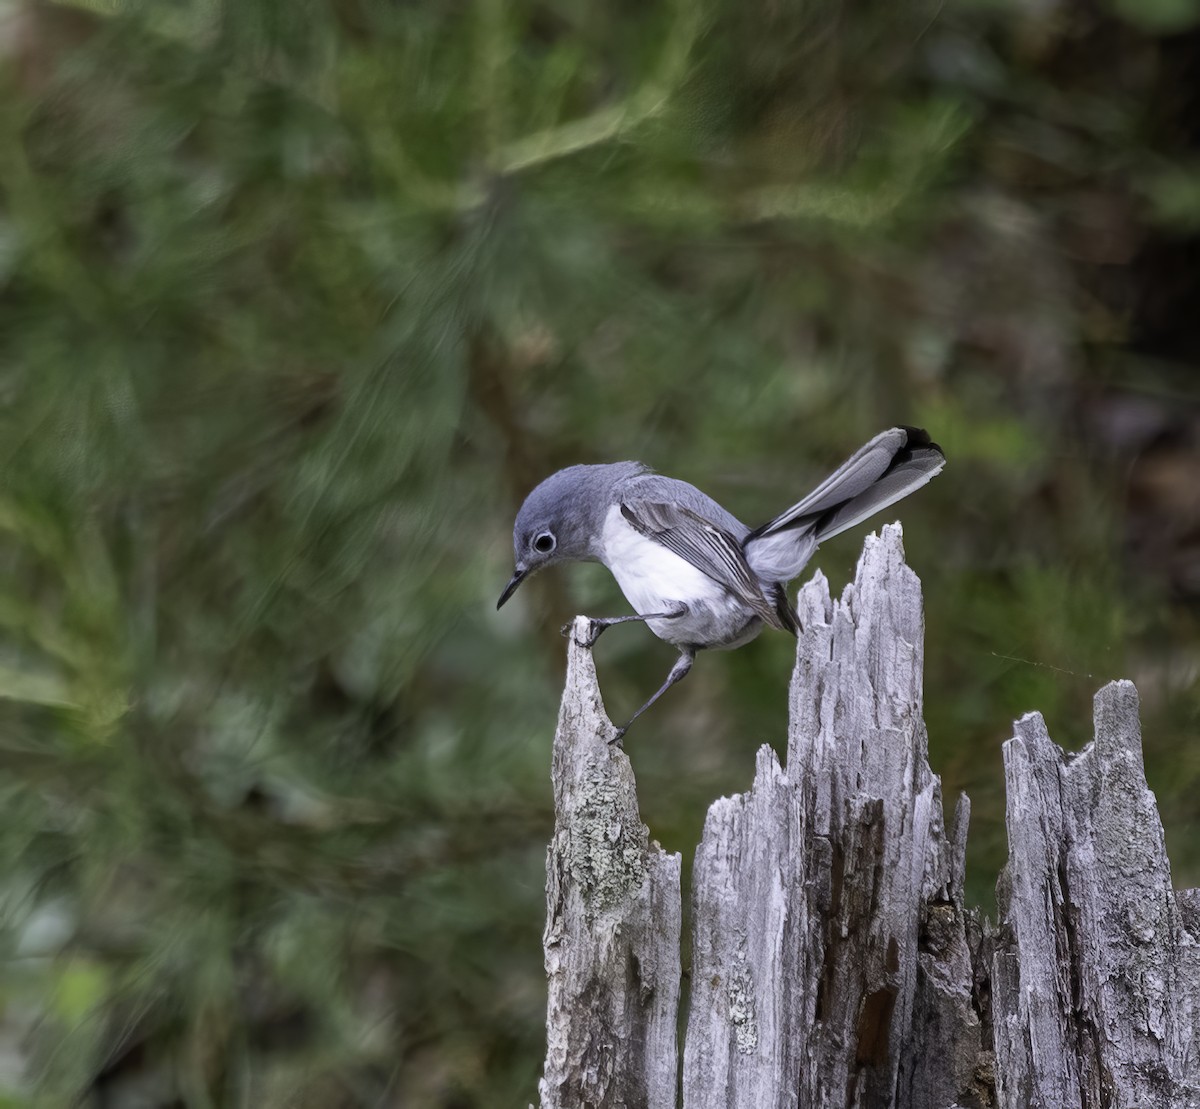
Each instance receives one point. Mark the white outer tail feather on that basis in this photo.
(864, 485)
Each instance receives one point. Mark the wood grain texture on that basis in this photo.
(816, 892)
(612, 921)
(1097, 995)
(834, 963)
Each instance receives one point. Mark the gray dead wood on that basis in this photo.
(1096, 974)
(828, 900)
(612, 921)
(833, 961)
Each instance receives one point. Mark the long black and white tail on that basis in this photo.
(892, 465)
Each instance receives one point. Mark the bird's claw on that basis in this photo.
(589, 640)
(616, 739)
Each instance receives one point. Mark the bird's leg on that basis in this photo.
(599, 623)
(687, 655)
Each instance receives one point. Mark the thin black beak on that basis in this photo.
(511, 587)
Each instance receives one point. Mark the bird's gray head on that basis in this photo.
(562, 518)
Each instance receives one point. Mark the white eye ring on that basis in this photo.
(544, 543)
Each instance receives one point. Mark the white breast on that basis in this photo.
(655, 579)
(652, 577)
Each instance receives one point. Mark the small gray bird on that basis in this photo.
(692, 571)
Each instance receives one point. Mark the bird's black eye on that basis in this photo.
(544, 543)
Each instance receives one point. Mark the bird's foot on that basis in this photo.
(597, 624)
(594, 628)
(616, 739)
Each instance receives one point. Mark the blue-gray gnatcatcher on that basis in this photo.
(691, 570)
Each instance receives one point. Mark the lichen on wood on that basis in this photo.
(612, 921)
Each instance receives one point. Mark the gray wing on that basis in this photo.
(670, 490)
(707, 546)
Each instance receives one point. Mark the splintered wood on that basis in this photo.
(834, 963)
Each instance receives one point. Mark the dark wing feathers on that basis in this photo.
(892, 465)
(711, 549)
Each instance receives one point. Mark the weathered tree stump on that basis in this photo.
(613, 919)
(834, 962)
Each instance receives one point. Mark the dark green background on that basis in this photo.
(298, 300)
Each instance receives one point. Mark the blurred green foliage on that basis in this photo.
(298, 300)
